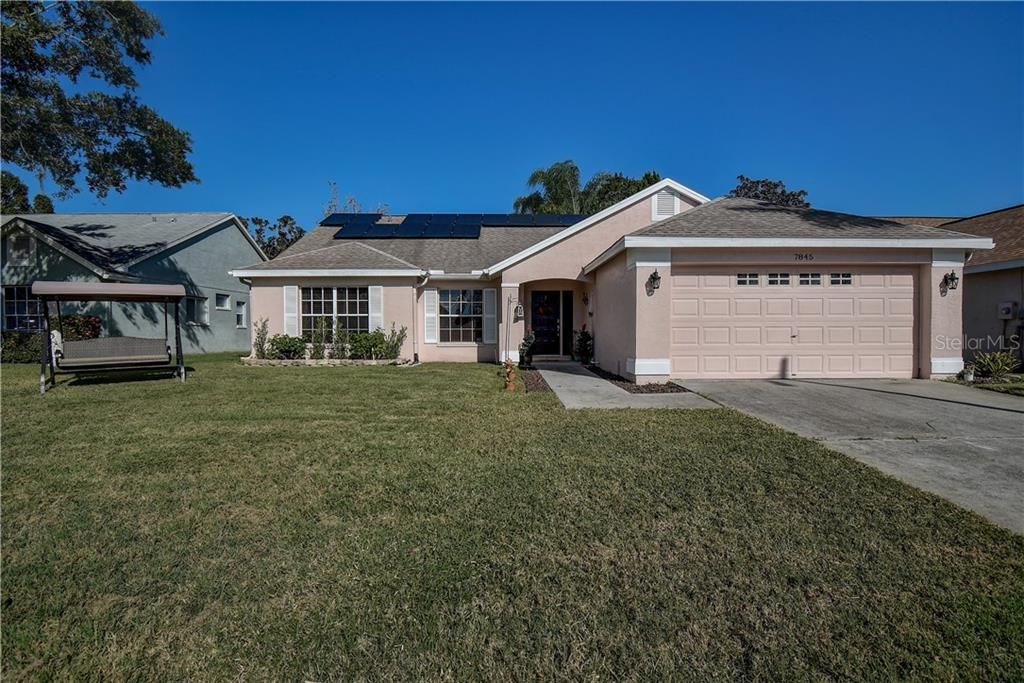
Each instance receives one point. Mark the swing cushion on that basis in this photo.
(113, 352)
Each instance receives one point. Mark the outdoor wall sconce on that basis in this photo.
(950, 280)
(654, 280)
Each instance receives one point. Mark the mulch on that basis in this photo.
(633, 388)
(533, 381)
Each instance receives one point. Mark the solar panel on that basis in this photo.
(381, 231)
(436, 231)
(468, 219)
(342, 219)
(416, 220)
(494, 219)
(350, 231)
(465, 231)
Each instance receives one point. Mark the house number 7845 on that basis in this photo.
(803, 257)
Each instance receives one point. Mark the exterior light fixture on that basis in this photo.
(654, 280)
(950, 280)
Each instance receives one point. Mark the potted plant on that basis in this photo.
(584, 346)
(526, 349)
(968, 372)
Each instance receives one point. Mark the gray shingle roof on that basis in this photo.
(112, 241)
(319, 249)
(740, 217)
(1005, 227)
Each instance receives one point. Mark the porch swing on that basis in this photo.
(107, 354)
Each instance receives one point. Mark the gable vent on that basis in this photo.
(665, 205)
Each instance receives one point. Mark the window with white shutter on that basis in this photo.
(490, 316)
(430, 316)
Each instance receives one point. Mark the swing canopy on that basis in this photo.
(107, 353)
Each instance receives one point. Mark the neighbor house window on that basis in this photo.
(841, 279)
(461, 315)
(352, 312)
(778, 278)
(196, 311)
(746, 279)
(223, 302)
(21, 310)
(810, 278)
(19, 249)
(240, 314)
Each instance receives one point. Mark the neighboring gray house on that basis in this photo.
(194, 249)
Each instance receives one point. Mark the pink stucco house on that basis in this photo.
(669, 282)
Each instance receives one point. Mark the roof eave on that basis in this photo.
(597, 217)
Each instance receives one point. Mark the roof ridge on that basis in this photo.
(352, 243)
(986, 213)
(384, 253)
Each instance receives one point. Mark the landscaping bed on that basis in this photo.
(533, 381)
(633, 387)
(421, 523)
(320, 362)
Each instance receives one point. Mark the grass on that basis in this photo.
(1014, 385)
(418, 523)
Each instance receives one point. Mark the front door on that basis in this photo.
(545, 319)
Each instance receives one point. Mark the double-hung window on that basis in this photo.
(344, 307)
(461, 315)
(241, 314)
(21, 310)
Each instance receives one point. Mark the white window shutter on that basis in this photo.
(430, 316)
(376, 307)
(490, 316)
(291, 310)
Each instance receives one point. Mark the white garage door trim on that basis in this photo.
(729, 322)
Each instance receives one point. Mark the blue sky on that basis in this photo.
(873, 108)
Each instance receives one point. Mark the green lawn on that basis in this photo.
(418, 523)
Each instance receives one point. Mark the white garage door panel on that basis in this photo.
(723, 329)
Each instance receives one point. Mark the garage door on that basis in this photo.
(757, 321)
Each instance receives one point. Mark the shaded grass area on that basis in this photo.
(411, 523)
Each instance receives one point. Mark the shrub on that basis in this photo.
(340, 343)
(526, 348)
(24, 347)
(285, 347)
(393, 342)
(584, 346)
(259, 344)
(376, 345)
(318, 339)
(995, 366)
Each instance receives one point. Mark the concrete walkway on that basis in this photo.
(577, 387)
(964, 444)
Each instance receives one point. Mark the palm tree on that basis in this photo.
(559, 193)
(556, 189)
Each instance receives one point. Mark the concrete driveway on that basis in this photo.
(964, 444)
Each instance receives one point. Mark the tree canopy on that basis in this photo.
(556, 189)
(14, 197)
(773, 191)
(275, 237)
(55, 126)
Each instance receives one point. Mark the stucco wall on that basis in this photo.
(567, 258)
(202, 265)
(614, 302)
(983, 292)
(267, 297)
